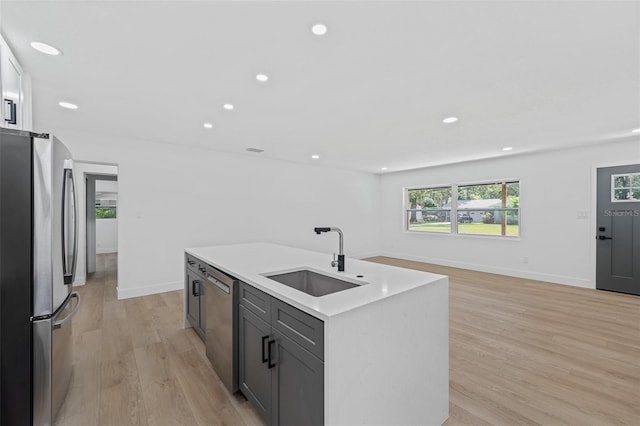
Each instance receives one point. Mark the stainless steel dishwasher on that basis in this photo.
(221, 326)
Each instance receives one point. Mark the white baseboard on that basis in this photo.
(127, 293)
(106, 250)
(531, 275)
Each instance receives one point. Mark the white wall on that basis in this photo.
(107, 229)
(555, 186)
(106, 235)
(81, 169)
(107, 186)
(172, 197)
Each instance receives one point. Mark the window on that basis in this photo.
(106, 209)
(625, 188)
(479, 209)
(429, 209)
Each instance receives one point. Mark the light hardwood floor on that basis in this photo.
(521, 352)
(135, 364)
(529, 352)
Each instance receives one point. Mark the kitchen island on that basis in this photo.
(385, 349)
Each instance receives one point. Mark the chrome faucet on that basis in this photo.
(340, 262)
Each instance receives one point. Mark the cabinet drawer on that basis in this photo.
(196, 264)
(255, 301)
(304, 329)
(191, 262)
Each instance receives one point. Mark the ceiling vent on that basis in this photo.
(255, 150)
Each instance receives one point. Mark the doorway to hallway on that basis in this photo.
(98, 211)
(101, 217)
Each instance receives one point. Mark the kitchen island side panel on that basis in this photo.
(388, 362)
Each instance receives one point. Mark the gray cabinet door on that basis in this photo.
(254, 375)
(256, 301)
(193, 285)
(297, 385)
(202, 309)
(304, 329)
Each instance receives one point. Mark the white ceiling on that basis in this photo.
(371, 93)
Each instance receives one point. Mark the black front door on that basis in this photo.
(618, 229)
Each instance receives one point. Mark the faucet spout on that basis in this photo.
(340, 262)
(341, 251)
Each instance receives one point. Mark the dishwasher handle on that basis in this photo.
(222, 286)
(193, 288)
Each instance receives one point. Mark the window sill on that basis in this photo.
(448, 234)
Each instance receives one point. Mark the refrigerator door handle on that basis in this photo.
(69, 207)
(75, 228)
(62, 322)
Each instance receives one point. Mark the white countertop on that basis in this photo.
(250, 262)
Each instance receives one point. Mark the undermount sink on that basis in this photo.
(312, 283)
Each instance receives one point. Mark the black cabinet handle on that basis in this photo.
(202, 269)
(269, 354)
(191, 262)
(264, 358)
(193, 288)
(602, 237)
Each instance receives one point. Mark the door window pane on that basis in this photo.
(625, 187)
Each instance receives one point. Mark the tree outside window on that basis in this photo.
(105, 212)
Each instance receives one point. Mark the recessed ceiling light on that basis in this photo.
(507, 148)
(450, 120)
(228, 107)
(262, 77)
(383, 168)
(315, 157)
(636, 130)
(207, 125)
(319, 29)
(68, 105)
(45, 48)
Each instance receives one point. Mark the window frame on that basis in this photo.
(454, 211)
(408, 210)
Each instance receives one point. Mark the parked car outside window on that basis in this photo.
(465, 218)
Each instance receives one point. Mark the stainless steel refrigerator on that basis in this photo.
(38, 251)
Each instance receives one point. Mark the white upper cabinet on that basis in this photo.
(16, 95)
